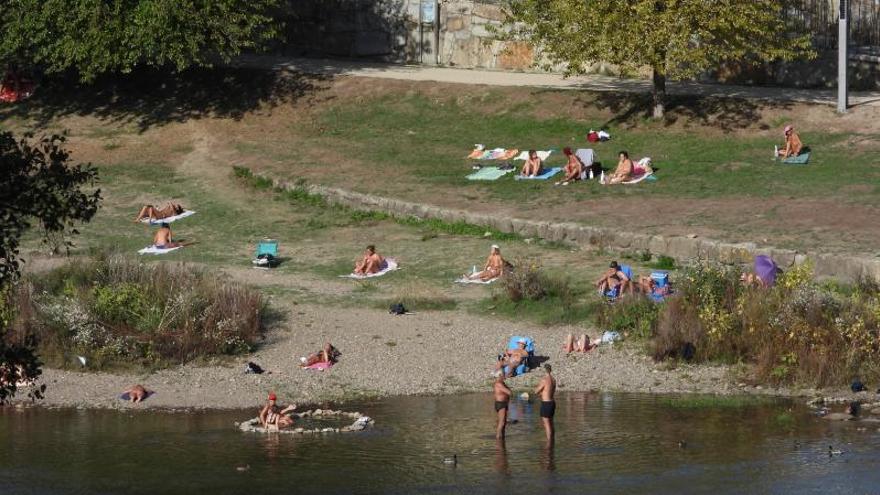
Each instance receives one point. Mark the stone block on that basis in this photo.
(682, 248)
(485, 11)
(455, 23)
(516, 55)
(658, 244)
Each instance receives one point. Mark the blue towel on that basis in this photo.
(546, 175)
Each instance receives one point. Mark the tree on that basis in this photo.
(98, 36)
(674, 38)
(37, 185)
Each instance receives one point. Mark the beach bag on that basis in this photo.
(254, 368)
(593, 137)
(397, 309)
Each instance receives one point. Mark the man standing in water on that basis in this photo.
(547, 389)
(502, 402)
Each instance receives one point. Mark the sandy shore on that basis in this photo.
(385, 355)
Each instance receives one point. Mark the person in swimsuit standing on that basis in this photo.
(502, 402)
(547, 389)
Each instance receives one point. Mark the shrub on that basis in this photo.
(634, 316)
(111, 307)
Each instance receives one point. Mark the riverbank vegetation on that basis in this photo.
(113, 310)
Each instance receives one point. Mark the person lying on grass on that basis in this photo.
(581, 344)
(272, 416)
(163, 238)
(573, 169)
(370, 262)
(614, 277)
(793, 144)
(624, 170)
(153, 213)
(494, 266)
(328, 354)
(512, 358)
(533, 166)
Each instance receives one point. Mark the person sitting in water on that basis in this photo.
(370, 262)
(533, 166)
(163, 238)
(573, 169)
(581, 344)
(793, 144)
(494, 266)
(137, 393)
(153, 213)
(624, 170)
(328, 354)
(614, 277)
(272, 416)
(512, 358)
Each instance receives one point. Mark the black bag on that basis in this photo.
(857, 386)
(687, 351)
(254, 368)
(397, 309)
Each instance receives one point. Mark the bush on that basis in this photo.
(114, 309)
(634, 316)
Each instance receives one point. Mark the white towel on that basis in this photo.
(392, 265)
(543, 155)
(466, 280)
(638, 179)
(168, 219)
(155, 250)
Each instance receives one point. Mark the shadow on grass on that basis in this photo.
(152, 97)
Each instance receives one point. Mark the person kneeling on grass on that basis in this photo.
(273, 417)
(512, 358)
(494, 266)
(614, 277)
(163, 238)
(533, 166)
(793, 144)
(573, 169)
(153, 213)
(370, 262)
(328, 354)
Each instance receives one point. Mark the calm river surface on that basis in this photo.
(606, 443)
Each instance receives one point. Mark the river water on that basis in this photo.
(606, 443)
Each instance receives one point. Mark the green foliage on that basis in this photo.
(634, 316)
(121, 304)
(529, 291)
(98, 36)
(676, 38)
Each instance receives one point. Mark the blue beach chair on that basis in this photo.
(523, 367)
(266, 255)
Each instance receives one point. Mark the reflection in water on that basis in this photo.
(611, 443)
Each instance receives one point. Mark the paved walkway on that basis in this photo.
(544, 80)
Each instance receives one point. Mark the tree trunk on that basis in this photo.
(659, 92)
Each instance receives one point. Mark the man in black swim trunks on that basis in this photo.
(547, 389)
(502, 401)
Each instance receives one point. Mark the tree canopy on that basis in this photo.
(97, 36)
(37, 185)
(674, 38)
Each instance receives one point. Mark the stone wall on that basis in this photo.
(683, 249)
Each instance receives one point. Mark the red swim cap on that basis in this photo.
(272, 396)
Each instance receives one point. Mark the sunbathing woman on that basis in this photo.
(328, 354)
(793, 144)
(494, 266)
(151, 212)
(533, 166)
(573, 169)
(624, 169)
(581, 344)
(163, 238)
(371, 262)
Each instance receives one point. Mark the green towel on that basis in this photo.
(801, 159)
(488, 173)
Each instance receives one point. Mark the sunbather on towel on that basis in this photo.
(272, 416)
(137, 393)
(573, 169)
(614, 277)
(371, 262)
(153, 213)
(581, 344)
(163, 238)
(624, 170)
(533, 166)
(793, 144)
(328, 354)
(512, 358)
(494, 266)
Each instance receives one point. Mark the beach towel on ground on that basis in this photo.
(319, 366)
(390, 266)
(488, 173)
(168, 219)
(466, 280)
(155, 250)
(543, 155)
(546, 175)
(801, 159)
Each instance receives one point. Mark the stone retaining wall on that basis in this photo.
(845, 268)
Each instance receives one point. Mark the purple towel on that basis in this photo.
(765, 269)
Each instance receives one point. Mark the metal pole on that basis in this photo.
(436, 32)
(421, 36)
(842, 59)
